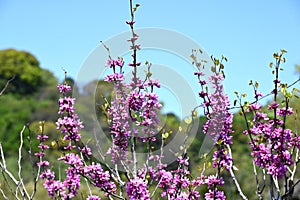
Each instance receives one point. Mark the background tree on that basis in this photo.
(24, 67)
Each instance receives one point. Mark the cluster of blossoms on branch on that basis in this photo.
(275, 148)
(272, 143)
(70, 124)
(219, 121)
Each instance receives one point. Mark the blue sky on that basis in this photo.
(62, 33)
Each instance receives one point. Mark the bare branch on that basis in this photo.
(235, 107)
(3, 166)
(3, 194)
(20, 164)
(6, 85)
(234, 178)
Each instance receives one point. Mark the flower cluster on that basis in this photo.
(133, 111)
(271, 140)
(175, 184)
(178, 184)
(99, 178)
(68, 123)
(137, 189)
(219, 123)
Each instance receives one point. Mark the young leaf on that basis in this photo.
(188, 120)
(275, 55)
(165, 135)
(234, 102)
(283, 51)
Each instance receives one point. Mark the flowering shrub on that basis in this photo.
(133, 118)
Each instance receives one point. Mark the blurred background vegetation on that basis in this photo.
(32, 97)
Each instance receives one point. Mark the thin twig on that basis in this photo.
(258, 191)
(269, 94)
(233, 176)
(6, 85)
(20, 165)
(3, 194)
(4, 170)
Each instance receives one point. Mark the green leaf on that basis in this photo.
(283, 51)
(217, 62)
(180, 128)
(296, 90)
(193, 57)
(275, 55)
(165, 135)
(188, 120)
(234, 102)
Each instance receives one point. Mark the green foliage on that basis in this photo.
(25, 69)
(32, 95)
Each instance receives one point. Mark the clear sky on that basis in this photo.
(62, 33)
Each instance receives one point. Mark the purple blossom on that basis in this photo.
(137, 189)
(112, 63)
(136, 64)
(258, 94)
(44, 163)
(63, 88)
(93, 197)
(202, 82)
(114, 77)
(130, 22)
(183, 161)
(254, 107)
(66, 105)
(99, 178)
(284, 112)
(199, 73)
(135, 100)
(219, 125)
(273, 105)
(153, 83)
(213, 181)
(42, 138)
(215, 195)
(43, 146)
